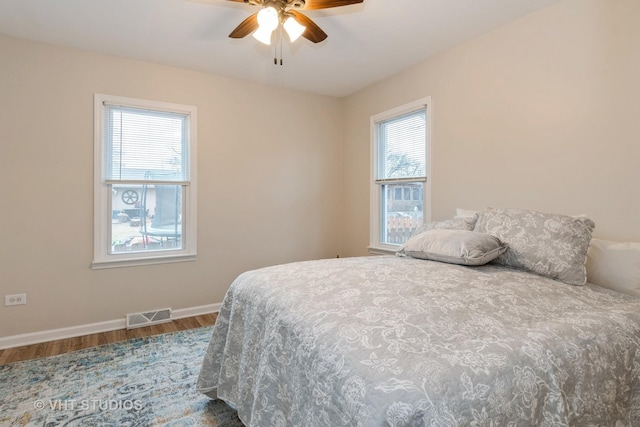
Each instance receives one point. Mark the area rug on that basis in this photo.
(141, 382)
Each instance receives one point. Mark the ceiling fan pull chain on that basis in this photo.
(275, 54)
(280, 36)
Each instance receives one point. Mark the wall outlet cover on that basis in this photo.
(16, 299)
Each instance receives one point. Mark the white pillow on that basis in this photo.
(466, 213)
(614, 265)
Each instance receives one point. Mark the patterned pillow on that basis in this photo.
(453, 246)
(547, 244)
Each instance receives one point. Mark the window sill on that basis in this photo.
(134, 262)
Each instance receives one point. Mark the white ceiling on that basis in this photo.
(367, 42)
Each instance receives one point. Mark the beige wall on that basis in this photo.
(543, 113)
(269, 174)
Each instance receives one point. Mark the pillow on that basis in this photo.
(547, 244)
(466, 213)
(449, 224)
(453, 246)
(614, 266)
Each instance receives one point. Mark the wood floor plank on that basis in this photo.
(207, 319)
(189, 323)
(56, 347)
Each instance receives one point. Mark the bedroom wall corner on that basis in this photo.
(538, 114)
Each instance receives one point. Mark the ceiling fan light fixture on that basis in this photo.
(285, 15)
(293, 28)
(263, 36)
(268, 21)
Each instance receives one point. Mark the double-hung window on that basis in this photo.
(144, 182)
(400, 185)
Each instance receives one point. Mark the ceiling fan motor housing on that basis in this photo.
(296, 3)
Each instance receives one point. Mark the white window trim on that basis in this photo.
(102, 208)
(375, 245)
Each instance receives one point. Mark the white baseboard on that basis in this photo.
(94, 328)
(195, 311)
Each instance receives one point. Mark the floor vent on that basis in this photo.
(137, 320)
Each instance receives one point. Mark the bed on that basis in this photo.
(404, 341)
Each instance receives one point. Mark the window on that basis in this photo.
(144, 182)
(400, 185)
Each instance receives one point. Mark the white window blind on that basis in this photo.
(402, 147)
(144, 145)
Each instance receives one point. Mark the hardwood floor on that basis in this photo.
(67, 345)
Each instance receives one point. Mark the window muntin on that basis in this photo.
(400, 185)
(145, 185)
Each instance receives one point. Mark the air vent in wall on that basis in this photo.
(137, 320)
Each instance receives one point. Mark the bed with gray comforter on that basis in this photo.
(391, 341)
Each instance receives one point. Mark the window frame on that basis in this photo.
(376, 246)
(103, 194)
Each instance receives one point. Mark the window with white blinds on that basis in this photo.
(141, 144)
(400, 188)
(145, 182)
(402, 147)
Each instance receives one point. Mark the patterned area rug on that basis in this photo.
(141, 382)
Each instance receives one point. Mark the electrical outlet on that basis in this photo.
(17, 299)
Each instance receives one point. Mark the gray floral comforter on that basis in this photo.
(389, 341)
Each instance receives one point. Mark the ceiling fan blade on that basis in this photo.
(246, 27)
(326, 4)
(312, 32)
(252, 2)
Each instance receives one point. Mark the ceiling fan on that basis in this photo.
(285, 13)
